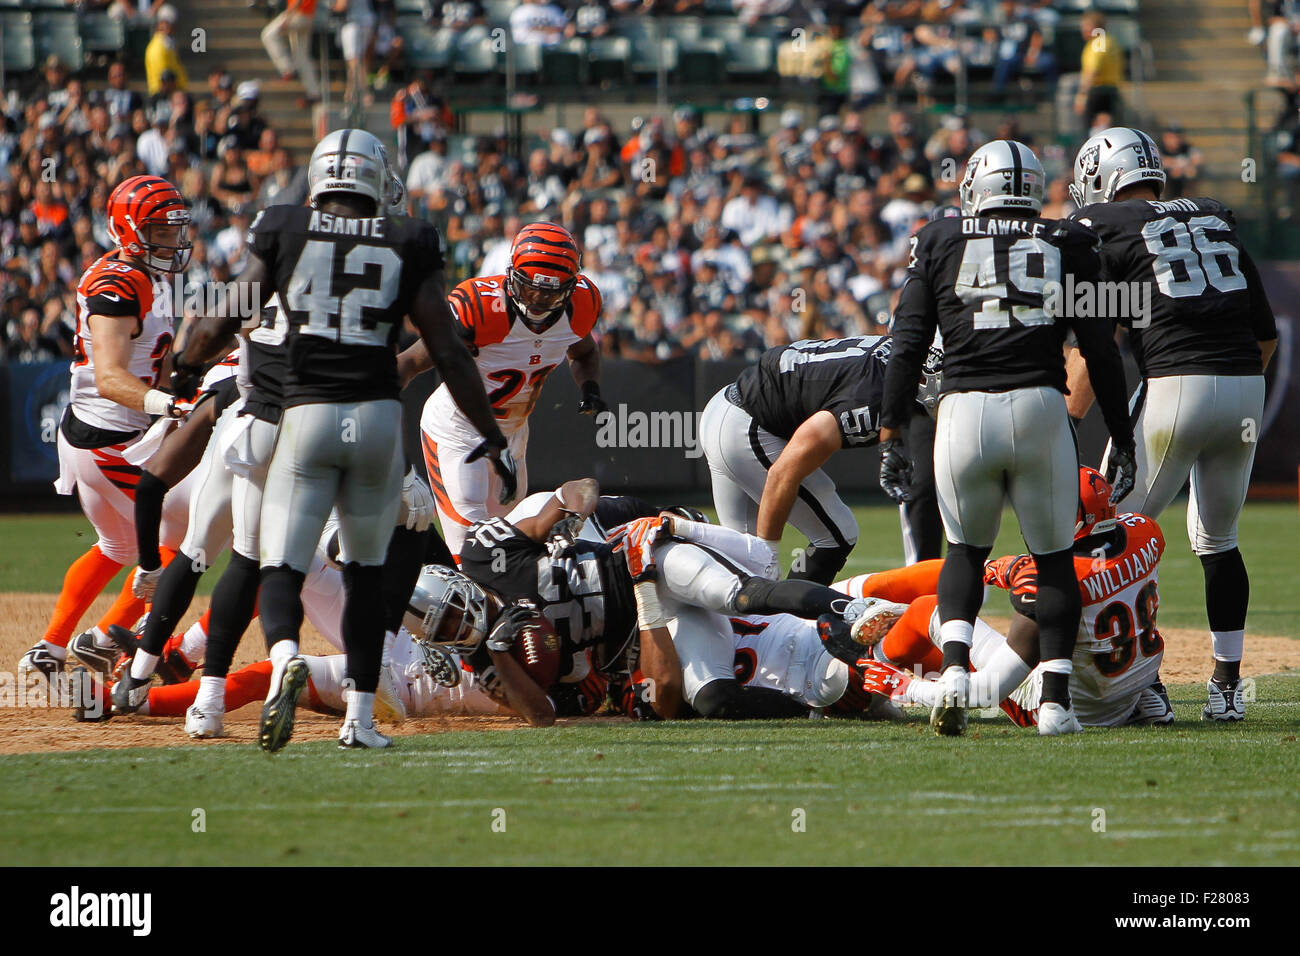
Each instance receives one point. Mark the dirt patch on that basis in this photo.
(33, 729)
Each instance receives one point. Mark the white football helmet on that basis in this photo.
(1115, 158)
(447, 608)
(355, 162)
(1002, 174)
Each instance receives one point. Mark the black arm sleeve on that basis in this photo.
(914, 324)
(1262, 320)
(149, 494)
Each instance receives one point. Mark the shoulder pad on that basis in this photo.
(481, 310)
(584, 307)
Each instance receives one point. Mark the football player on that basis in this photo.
(1201, 351)
(1114, 681)
(520, 327)
(768, 434)
(1002, 431)
(346, 273)
(122, 348)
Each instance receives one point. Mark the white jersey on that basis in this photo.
(783, 652)
(118, 288)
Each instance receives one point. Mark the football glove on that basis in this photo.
(504, 463)
(417, 502)
(895, 470)
(591, 403)
(1018, 575)
(636, 540)
(510, 625)
(144, 582)
(1121, 471)
(185, 379)
(885, 679)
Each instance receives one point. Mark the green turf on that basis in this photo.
(36, 550)
(691, 792)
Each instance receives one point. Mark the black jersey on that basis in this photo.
(993, 286)
(1208, 311)
(345, 285)
(845, 377)
(267, 367)
(582, 587)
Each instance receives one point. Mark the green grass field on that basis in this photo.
(791, 792)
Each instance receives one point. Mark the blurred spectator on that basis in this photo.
(27, 344)
(536, 21)
(588, 20)
(160, 54)
(245, 124)
(287, 39)
(427, 172)
(418, 116)
(231, 184)
(754, 215)
(1020, 47)
(286, 185)
(1102, 69)
(1274, 24)
(121, 101)
(354, 38)
(1182, 162)
(1057, 203)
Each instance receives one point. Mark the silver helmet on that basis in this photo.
(1002, 174)
(1115, 158)
(355, 162)
(438, 593)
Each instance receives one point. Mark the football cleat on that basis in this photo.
(130, 694)
(388, 704)
(38, 663)
(439, 664)
(871, 618)
(1056, 719)
(203, 724)
(353, 736)
(1227, 701)
(948, 717)
(278, 711)
(100, 660)
(1153, 707)
(98, 707)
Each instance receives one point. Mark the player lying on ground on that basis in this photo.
(1201, 351)
(768, 434)
(1115, 678)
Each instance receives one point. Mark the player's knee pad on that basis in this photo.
(717, 700)
(820, 563)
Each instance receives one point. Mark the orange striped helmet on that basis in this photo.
(544, 266)
(149, 220)
(1096, 513)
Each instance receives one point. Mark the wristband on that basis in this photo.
(157, 402)
(649, 612)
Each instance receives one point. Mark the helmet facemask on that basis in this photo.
(165, 246)
(539, 296)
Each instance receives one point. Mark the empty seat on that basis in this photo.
(101, 33)
(475, 59)
(562, 65)
(649, 56)
(751, 56)
(498, 11)
(56, 34)
(16, 33)
(527, 59)
(426, 49)
(700, 61)
(607, 58)
(728, 29)
(416, 8)
(682, 28)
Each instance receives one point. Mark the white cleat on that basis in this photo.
(948, 716)
(355, 737)
(1227, 701)
(1054, 720)
(870, 619)
(204, 724)
(388, 703)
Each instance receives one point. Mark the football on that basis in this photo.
(538, 652)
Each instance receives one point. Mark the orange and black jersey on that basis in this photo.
(485, 314)
(116, 286)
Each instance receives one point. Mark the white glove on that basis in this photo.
(1256, 36)
(144, 582)
(772, 568)
(417, 500)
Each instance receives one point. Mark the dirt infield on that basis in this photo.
(34, 729)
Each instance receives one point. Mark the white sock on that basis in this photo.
(281, 651)
(194, 644)
(924, 692)
(143, 664)
(212, 694)
(102, 639)
(960, 631)
(1228, 644)
(361, 708)
(1002, 673)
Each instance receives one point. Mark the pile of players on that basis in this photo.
(290, 453)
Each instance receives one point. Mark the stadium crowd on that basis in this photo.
(705, 237)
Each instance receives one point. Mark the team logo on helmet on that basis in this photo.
(1090, 160)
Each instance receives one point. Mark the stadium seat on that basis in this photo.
(682, 28)
(475, 59)
(498, 11)
(752, 56)
(727, 29)
(426, 49)
(649, 55)
(527, 59)
(19, 52)
(101, 33)
(607, 59)
(700, 61)
(562, 65)
(416, 8)
(56, 33)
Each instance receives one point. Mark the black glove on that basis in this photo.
(510, 625)
(1121, 471)
(504, 463)
(591, 403)
(185, 379)
(895, 470)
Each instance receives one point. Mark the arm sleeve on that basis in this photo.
(914, 324)
(149, 494)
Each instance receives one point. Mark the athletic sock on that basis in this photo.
(956, 638)
(233, 602)
(1002, 673)
(1227, 671)
(82, 582)
(212, 694)
(143, 665)
(361, 708)
(194, 642)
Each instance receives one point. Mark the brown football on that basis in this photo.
(538, 652)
